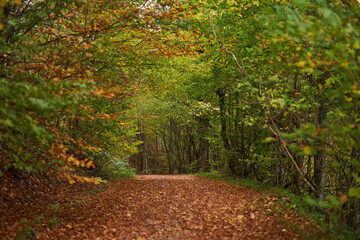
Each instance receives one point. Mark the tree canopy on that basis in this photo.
(267, 90)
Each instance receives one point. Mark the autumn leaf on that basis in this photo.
(89, 164)
(87, 179)
(307, 150)
(300, 64)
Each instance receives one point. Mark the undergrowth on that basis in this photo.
(289, 200)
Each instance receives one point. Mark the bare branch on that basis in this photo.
(276, 132)
(218, 38)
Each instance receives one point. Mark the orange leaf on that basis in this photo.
(343, 198)
(89, 164)
(77, 162)
(70, 159)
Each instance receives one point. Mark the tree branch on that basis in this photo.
(274, 129)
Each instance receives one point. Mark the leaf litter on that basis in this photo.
(167, 207)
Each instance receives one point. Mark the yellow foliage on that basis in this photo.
(87, 179)
(3, 3)
(307, 150)
(77, 163)
(70, 159)
(348, 99)
(300, 64)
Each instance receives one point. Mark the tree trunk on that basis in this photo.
(319, 157)
(143, 153)
(168, 154)
(157, 156)
(204, 153)
(230, 158)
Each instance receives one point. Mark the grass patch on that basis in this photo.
(27, 230)
(99, 188)
(54, 207)
(54, 221)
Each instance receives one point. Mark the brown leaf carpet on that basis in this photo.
(176, 207)
(148, 207)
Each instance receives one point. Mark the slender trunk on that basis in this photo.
(174, 146)
(230, 159)
(204, 153)
(204, 146)
(220, 92)
(308, 167)
(319, 157)
(157, 156)
(143, 153)
(168, 154)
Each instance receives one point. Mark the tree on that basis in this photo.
(298, 63)
(73, 63)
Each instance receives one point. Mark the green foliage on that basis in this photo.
(28, 228)
(26, 233)
(286, 74)
(54, 207)
(230, 179)
(111, 167)
(26, 97)
(64, 86)
(53, 222)
(268, 90)
(287, 200)
(99, 188)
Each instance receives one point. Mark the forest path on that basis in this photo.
(177, 207)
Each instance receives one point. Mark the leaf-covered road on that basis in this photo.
(176, 207)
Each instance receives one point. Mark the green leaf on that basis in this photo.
(269, 139)
(332, 18)
(310, 201)
(333, 199)
(355, 163)
(354, 192)
(29, 169)
(323, 204)
(335, 164)
(301, 3)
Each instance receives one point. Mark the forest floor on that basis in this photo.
(150, 207)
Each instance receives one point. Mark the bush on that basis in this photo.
(112, 168)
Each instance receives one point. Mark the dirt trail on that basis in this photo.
(175, 207)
